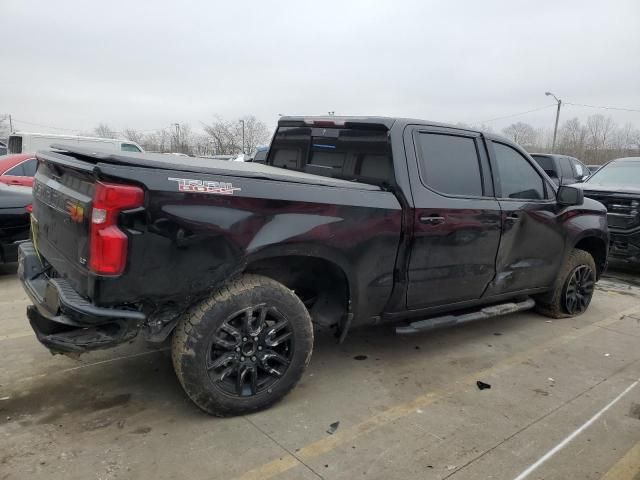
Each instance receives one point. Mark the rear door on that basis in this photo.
(532, 243)
(456, 217)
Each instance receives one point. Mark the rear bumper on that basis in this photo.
(63, 320)
(625, 246)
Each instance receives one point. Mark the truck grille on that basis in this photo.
(622, 212)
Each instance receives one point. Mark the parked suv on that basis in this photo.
(353, 221)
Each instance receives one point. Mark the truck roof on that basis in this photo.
(375, 121)
(196, 165)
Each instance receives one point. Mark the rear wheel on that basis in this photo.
(244, 348)
(573, 289)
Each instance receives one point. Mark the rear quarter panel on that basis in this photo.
(189, 242)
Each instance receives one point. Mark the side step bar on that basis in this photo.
(451, 320)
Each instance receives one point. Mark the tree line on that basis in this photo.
(220, 137)
(596, 141)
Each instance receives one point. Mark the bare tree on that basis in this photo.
(625, 139)
(223, 136)
(521, 133)
(256, 134)
(181, 138)
(104, 131)
(572, 138)
(599, 130)
(226, 136)
(157, 141)
(133, 135)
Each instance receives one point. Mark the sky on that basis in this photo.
(71, 64)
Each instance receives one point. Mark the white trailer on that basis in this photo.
(26, 142)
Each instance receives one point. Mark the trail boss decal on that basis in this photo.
(204, 186)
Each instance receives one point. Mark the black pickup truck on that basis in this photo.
(617, 186)
(351, 221)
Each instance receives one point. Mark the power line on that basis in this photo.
(45, 126)
(80, 129)
(518, 114)
(603, 107)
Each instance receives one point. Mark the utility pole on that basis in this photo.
(177, 125)
(242, 122)
(10, 124)
(555, 129)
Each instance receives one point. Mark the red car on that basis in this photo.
(18, 169)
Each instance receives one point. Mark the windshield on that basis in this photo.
(617, 173)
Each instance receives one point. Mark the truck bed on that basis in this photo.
(200, 165)
(204, 237)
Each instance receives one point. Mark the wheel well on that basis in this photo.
(320, 284)
(598, 250)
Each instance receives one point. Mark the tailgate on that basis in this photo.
(61, 212)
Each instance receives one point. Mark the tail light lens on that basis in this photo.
(29, 208)
(108, 244)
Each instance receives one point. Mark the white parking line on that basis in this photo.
(577, 432)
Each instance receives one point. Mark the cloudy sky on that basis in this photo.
(146, 64)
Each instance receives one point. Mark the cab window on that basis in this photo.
(348, 153)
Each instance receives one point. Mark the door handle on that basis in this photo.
(513, 217)
(432, 220)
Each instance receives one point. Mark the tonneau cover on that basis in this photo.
(198, 165)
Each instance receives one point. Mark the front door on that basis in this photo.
(532, 243)
(456, 217)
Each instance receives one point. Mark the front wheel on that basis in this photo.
(244, 348)
(573, 289)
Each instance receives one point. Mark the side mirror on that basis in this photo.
(568, 196)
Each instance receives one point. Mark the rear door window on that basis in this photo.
(30, 166)
(16, 171)
(450, 164)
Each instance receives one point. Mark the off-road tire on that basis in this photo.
(552, 303)
(191, 344)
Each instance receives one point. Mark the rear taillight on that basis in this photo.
(29, 208)
(108, 244)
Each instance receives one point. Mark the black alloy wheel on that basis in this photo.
(579, 290)
(250, 351)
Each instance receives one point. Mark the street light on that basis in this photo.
(555, 129)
